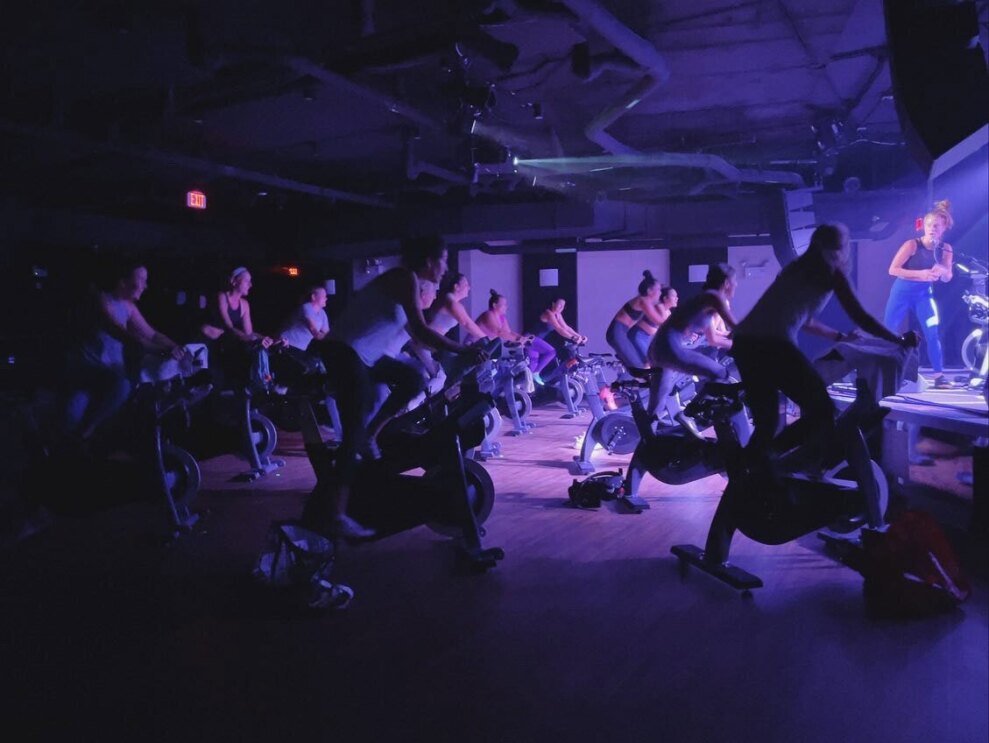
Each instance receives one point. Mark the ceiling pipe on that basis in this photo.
(712, 164)
(195, 164)
(635, 48)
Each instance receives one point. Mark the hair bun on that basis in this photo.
(647, 274)
(493, 292)
(942, 206)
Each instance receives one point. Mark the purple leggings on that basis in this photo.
(540, 354)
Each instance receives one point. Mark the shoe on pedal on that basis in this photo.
(690, 424)
(942, 383)
(635, 502)
(345, 527)
(370, 452)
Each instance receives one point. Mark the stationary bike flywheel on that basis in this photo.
(182, 475)
(480, 494)
(617, 433)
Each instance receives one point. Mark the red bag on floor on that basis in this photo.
(911, 569)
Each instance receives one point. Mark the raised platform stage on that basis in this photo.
(960, 412)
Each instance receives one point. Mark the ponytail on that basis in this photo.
(647, 283)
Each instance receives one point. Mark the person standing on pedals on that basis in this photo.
(641, 306)
(765, 345)
(643, 331)
(917, 265)
(447, 312)
(551, 321)
(354, 355)
(669, 353)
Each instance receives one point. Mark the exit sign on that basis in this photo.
(195, 200)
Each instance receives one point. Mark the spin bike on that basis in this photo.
(673, 454)
(618, 431)
(141, 438)
(852, 493)
(234, 420)
(510, 369)
(454, 496)
(562, 377)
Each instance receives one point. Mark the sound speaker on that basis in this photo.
(938, 68)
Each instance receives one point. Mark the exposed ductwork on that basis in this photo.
(635, 48)
(415, 167)
(717, 170)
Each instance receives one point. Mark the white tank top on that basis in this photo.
(371, 323)
(444, 322)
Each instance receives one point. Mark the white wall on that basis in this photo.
(607, 279)
(500, 272)
(756, 267)
(874, 281)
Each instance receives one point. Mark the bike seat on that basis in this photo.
(642, 374)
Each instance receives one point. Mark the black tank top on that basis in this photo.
(630, 311)
(236, 317)
(922, 259)
(541, 330)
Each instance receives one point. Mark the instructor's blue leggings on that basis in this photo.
(918, 297)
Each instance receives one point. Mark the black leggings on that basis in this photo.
(353, 384)
(769, 366)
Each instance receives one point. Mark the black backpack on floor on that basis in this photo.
(600, 486)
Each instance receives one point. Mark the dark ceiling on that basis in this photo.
(357, 109)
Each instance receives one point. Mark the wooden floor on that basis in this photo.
(585, 632)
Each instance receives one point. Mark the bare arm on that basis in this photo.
(316, 330)
(716, 335)
(559, 326)
(510, 335)
(722, 309)
(460, 315)
(652, 312)
(406, 288)
(816, 327)
(150, 338)
(487, 325)
(245, 312)
(902, 256)
(224, 307)
(110, 323)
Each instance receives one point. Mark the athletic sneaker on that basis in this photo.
(326, 595)
(690, 424)
(942, 383)
(346, 527)
(370, 452)
(537, 379)
(635, 502)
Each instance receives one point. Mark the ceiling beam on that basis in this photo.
(195, 164)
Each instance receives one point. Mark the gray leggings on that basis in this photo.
(625, 350)
(670, 358)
